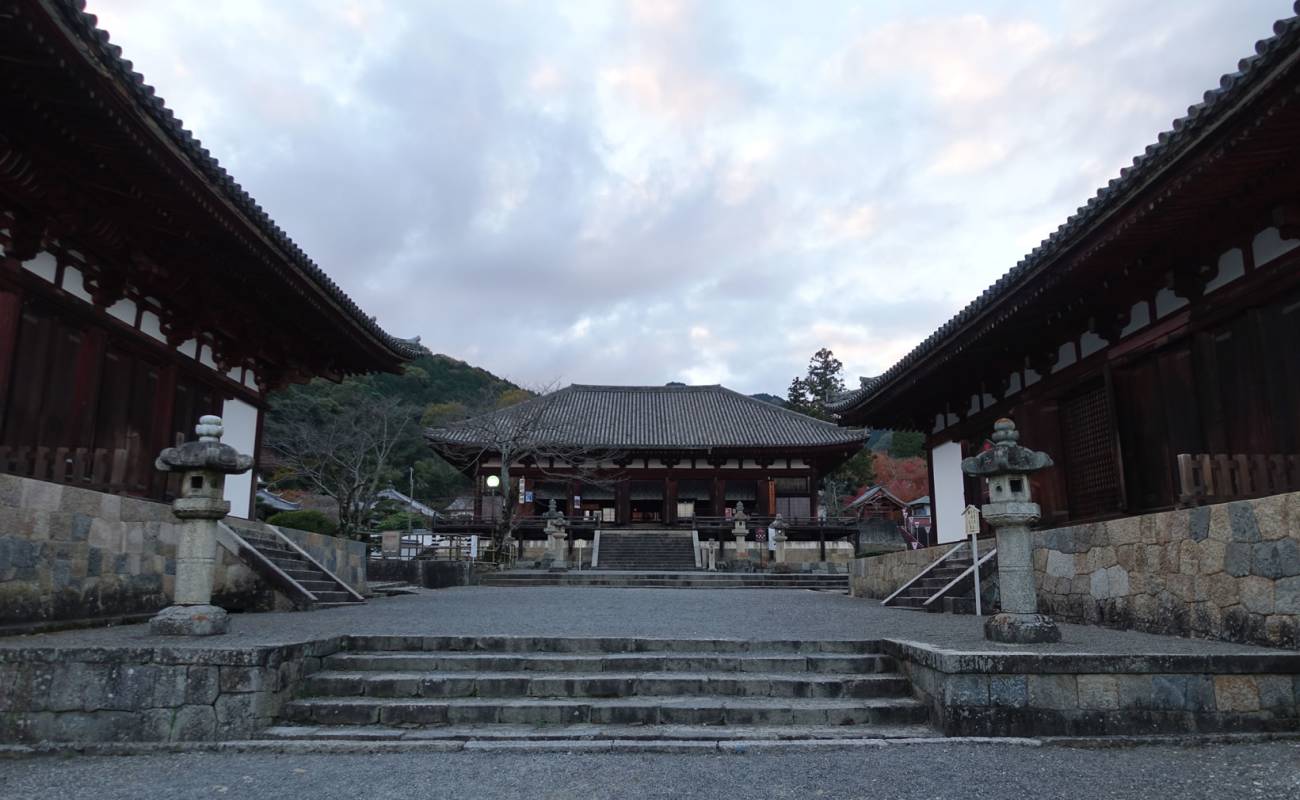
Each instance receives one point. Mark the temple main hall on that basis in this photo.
(648, 455)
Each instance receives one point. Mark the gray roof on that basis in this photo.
(1271, 55)
(674, 417)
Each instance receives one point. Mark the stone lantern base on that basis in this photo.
(204, 620)
(1021, 629)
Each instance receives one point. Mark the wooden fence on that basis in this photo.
(100, 469)
(1217, 477)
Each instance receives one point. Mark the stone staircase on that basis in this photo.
(288, 571)
(936, 591)
(659, 579)
(646, 550)
(411, 687)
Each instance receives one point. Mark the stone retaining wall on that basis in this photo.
(1042, 694)
(70, 554)
(879, 576)
(1229, 571)
(162, 694)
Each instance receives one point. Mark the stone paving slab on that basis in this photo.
(729, 615)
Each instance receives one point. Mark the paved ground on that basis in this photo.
(929, 771)
(679, 613)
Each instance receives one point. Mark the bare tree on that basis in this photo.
(339, 447)
(525, 434)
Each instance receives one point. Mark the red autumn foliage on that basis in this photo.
(905, 478)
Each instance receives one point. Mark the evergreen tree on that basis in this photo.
(824, 379)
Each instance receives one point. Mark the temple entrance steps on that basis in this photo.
(663, 579)
(646, 550)
(287, 569)
(949, 583)
(389, 687)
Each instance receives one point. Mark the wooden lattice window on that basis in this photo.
(1088, 439)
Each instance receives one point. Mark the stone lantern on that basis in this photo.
(779, 526)
(556, 538)
(739, 530)
(204, 465)
(1011, 511)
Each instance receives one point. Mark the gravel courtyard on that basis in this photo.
(903, 772)
(677, 613)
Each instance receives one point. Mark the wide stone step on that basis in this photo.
(335, 683)
(608, 711)
(618, 663)
(627, 584)
(589, 732)
(337, 596)
(533, 646)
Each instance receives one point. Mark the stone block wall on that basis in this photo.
(879, 576)
(1043, 694)
(71, 555)
(1228, 571)
(164, 694)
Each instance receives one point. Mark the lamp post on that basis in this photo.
(1010, 511)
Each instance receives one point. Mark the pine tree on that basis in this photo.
(824, 379)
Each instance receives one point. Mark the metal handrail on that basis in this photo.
(991, 553)
(918, 576)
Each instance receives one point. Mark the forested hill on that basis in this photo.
(435, 379)
(433, 389)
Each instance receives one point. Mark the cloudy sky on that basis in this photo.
(646, 191)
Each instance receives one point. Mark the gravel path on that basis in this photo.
(677, 613)
(902, 772)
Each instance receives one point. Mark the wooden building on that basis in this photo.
(1149, 344)
(649, 455)
(140, 286)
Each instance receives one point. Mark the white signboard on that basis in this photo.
(473, 546)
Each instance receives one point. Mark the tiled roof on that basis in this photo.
(1184, 133)
(110, 55)
(653, 417)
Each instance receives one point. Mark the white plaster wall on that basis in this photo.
(240, 421)
(948, 493)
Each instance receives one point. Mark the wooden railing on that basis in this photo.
(101, 469)
(1216, 477)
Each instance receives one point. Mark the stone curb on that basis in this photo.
(362, 746)
(737, 747)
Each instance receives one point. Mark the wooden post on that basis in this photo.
(623, 502)
(11, 313)
(670, 501)
(718, 496)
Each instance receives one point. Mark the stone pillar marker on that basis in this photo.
(1010, 511)
(205, 464)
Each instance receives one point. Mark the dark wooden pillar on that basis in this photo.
(812, 494)
(670, 501)
(623, 502)
(718, 496)
(11, 314)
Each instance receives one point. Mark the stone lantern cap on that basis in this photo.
(1003, 456)
(207, 454)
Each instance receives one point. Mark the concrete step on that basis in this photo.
(622, 663)
(590, 732)
(670, 710)
(336, 683)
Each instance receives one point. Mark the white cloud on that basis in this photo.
(700, 191)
